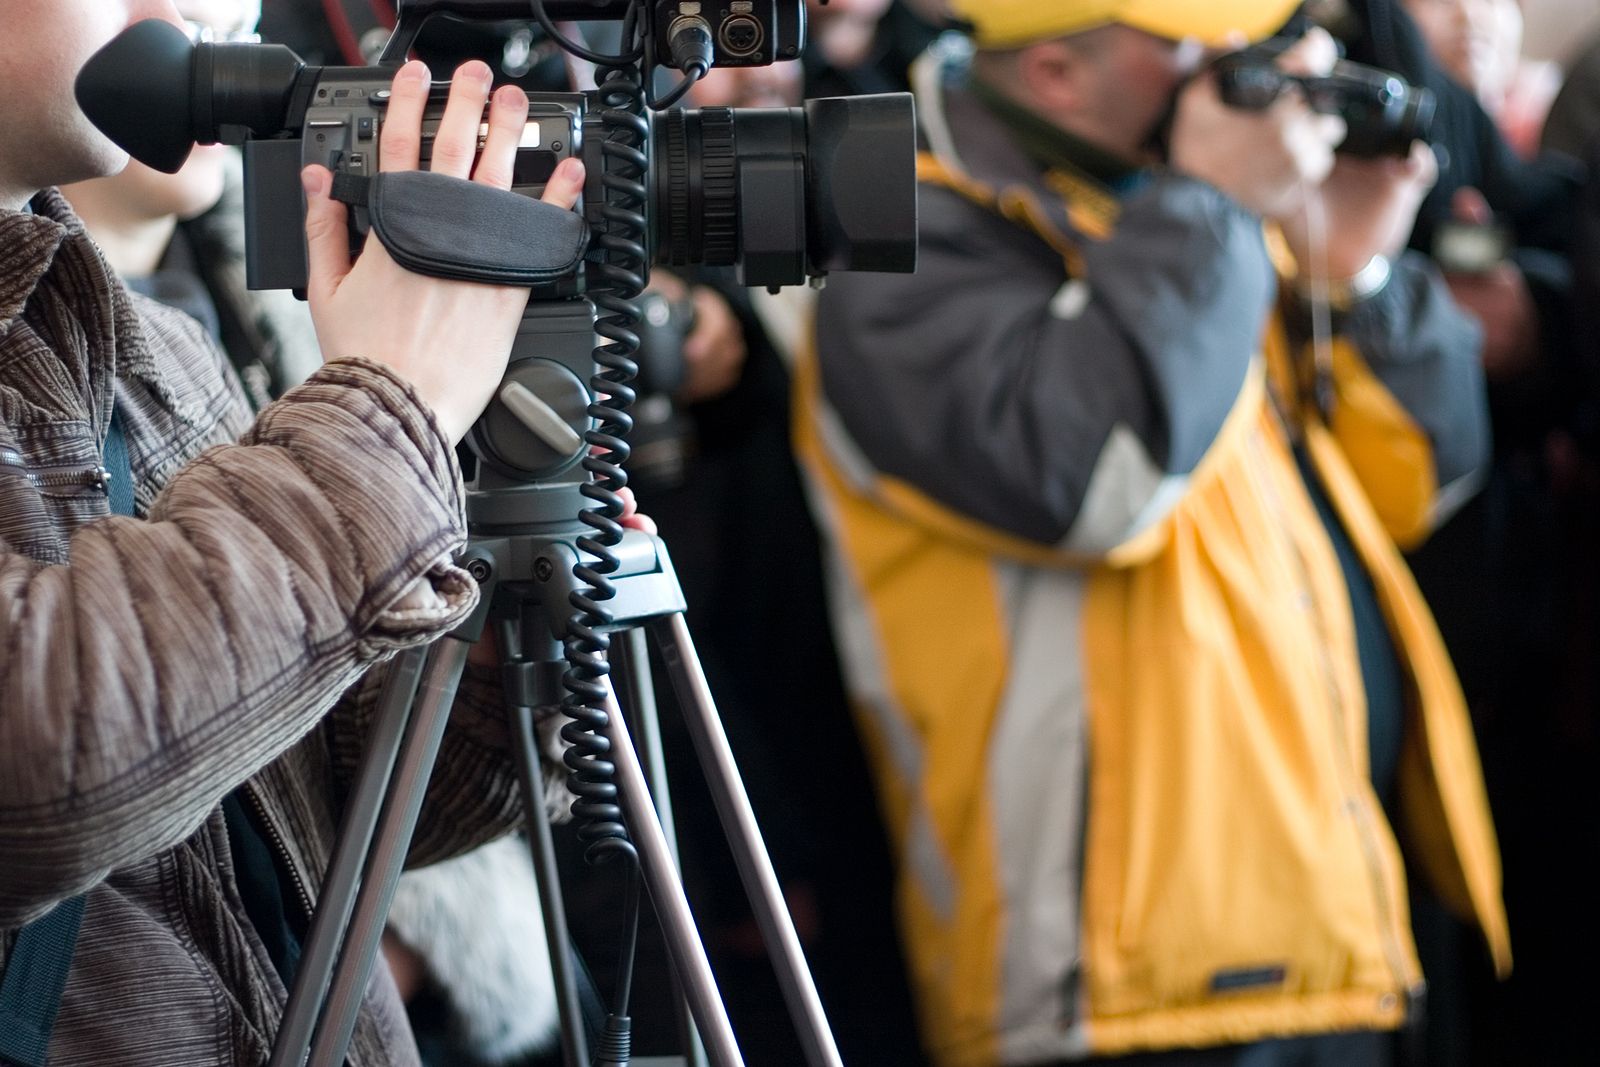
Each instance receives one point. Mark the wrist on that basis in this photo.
(1344, 293)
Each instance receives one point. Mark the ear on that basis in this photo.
(1053, 74)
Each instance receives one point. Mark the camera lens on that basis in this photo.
(697, 203)
(787, 193)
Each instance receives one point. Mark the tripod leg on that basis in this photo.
(744, 837)
(398, 822)
(630, 658)
(574, 1039)
(541, 844)
(666, 893)
(338, 897)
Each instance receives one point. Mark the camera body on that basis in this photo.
(341, 128)
(784, 194)
(1384, 115)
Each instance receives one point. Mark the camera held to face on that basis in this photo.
(1384, 115)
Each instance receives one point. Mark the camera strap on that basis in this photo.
(35, 974)
(451, 228)
(35, 977)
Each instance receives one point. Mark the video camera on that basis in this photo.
(784, 194)
(1383, 114)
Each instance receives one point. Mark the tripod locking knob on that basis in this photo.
(542, 420)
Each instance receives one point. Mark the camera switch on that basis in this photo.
(542, 420)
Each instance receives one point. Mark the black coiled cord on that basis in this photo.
(617, 273)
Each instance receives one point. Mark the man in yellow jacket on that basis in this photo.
(1152, 698)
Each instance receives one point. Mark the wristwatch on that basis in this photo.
(1360, 287)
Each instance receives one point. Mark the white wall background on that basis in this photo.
(1559, 29)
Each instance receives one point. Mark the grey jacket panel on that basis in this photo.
(987, 381)
(1426, 351)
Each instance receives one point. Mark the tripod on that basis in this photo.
(527, 556)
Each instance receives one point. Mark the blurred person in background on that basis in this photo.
(179, 238)
(867, 46)
(1518, 286)
(1152, 700)
(1511, 578)
(1479, 44)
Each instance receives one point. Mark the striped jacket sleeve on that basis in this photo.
(176, 656)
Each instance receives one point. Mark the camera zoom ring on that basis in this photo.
(720, 182)
(679, 218)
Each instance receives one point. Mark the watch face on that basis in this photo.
(1467, 248)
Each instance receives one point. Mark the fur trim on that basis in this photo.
(476, 922)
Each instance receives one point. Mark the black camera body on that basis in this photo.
(1383, 114)
(784, 194)
(340, 123)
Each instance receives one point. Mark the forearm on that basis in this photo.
(1425, 351)
(175, 657)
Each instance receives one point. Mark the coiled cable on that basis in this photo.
(616, 272)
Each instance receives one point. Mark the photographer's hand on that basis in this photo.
(1499, 298)
(1370, 206)
(1262, 159)
(450, 340)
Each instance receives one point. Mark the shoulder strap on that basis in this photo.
(35, 977)
(116, 461)
(1017, 206)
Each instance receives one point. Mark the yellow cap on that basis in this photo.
(1013, 23)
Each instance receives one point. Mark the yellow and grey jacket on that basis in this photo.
(1099, 638)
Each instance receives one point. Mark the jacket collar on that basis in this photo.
(972, 142)
(31, 240)
(46, 255)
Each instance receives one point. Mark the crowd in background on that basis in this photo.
(1511, 229)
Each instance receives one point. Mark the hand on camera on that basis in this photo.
(714, 352)
(1263, 159)
(1370, 206)
(450, 340)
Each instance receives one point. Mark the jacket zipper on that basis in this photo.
(282, 849)
(57, 479)
(1366, 832)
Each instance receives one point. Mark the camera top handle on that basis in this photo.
(410, 15)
